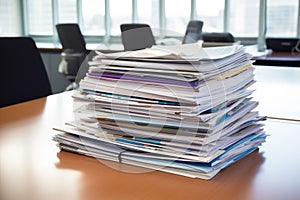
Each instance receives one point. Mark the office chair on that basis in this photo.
(23, 74)
(136, 36)
(74, 51)
(218, 37)
(283, 44)
(193, 31)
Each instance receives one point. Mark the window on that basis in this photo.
(40, 17)
(67, 11)
(148, 12)
(212, 14)
(243, 18)
(177, 16)
(93, 13)
(282, 18)
(101, 19)
(11, 25)
(120, 12)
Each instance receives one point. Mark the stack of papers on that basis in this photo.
(181, 109)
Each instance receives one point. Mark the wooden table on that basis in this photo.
(32, 167)
(278, 91)
(279, 59)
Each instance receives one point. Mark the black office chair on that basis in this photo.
(23, 74)
(193, 31)
(74, 51)
(218, 37)
(283, 44)
(136, 36)
(71, 37)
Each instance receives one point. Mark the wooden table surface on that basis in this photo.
(279, 59)
(278, 91)
(32, 167)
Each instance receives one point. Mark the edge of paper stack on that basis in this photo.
(181, 109)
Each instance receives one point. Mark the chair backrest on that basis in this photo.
(218, 37)
(282, 44)
(71, 37)
(136, 36)
(193, 31)
(23, 74)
